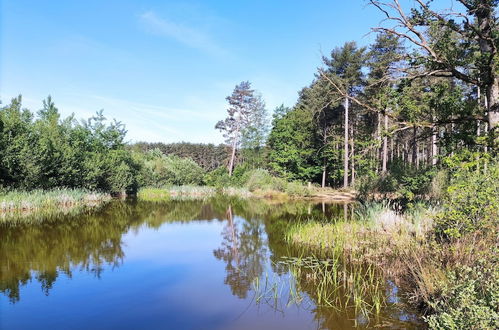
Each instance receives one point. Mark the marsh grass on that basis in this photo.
(377, 244)
(189, 192)
(18, 205)
(313, 282)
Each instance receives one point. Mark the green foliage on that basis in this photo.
(470, 299)
(262, 180)
(402, 182)
(160, 170)
(46, 152)
(292, 153)
(218, 178)
(472, 203)
(208, 156)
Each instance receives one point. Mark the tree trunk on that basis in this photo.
(378, 140)
(324, 175)
(233, 156)
(434, 146)
(493, 107)
(345, 160)
(324, 137)
(414, 146)
(385, 146)
(392, 147)
(352, 160)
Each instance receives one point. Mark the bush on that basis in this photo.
(470, 300)
(261, 179)
(160, 170)
(472, 204)
(407, 182)
(218, 178)
(296, 188)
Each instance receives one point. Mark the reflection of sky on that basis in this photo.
(169, 279)
(178, 275)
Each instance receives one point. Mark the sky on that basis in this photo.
(164, 68)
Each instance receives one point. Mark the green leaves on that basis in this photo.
(47, 152)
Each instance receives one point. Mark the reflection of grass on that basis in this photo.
(18, 205)
(330, 283)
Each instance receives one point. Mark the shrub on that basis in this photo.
(472, 204)
(160, 170)
(296, 188)
(261, 179)
(218, 178)
(470, 300)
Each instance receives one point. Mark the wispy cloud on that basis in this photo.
(186, 35)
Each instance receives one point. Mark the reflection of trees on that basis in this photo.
(243, 250)
(46, 250)
(92, 242)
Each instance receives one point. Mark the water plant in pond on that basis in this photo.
(312, 282)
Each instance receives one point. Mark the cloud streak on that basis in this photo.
(185, 35)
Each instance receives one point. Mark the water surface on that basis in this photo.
(212, 264)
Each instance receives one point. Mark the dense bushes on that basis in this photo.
(159, 170)
(403, 182)
(472, 204)
(45, 151)
(470, 299)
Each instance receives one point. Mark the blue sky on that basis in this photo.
(164, 68)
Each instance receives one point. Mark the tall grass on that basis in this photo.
(313, 282)
(189, 192)
(16, 205)
(376, 231)
(16, 200)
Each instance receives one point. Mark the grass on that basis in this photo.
(195, 192)
(377, 238)
(188, 192)
(439, 277)
(313, 282)
(17, 205)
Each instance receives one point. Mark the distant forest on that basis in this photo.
(208, 156)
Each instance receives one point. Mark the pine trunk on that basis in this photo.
(233, 156)
(385, 146)
(345, 160)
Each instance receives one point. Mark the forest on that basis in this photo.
(411, 118)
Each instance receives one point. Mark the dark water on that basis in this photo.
(177, 265)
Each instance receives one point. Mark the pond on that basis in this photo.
(218, 263)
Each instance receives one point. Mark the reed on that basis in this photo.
(313, 282)
(189, 192)
(17, 205)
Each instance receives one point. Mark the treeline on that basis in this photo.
(44, 151)
(383, 117)
(422, 96)
(208, 156)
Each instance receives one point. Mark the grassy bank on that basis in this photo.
(188, 192)
(192, 192)
(451, 273)
(17, 204)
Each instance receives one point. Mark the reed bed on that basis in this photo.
(313, 282)
(189, 192)
(16, 201)
(39, 205)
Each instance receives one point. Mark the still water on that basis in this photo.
(212, 264)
